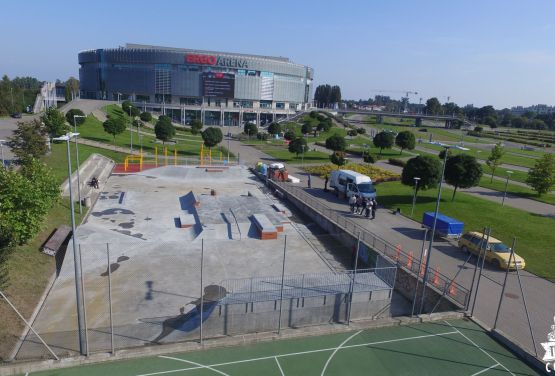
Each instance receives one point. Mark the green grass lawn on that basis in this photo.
(535, 235)
(517, 190)
(92, 129)
(282, 154)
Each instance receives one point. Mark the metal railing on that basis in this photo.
(441, 283)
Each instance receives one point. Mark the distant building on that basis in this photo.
(537, 109)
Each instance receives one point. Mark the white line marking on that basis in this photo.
(279, 366)
(485, 370)
(196, 364)
(336, 350)
(481, 349)
(300, 353)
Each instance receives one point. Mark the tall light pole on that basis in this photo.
(76, 253)
(131, 131)
(2, 152)
(228, 137)
(416, 179)
(77, 157)
(427, 267)
(506, 184)
(302, 156)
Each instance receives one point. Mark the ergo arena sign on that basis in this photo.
(215, 60)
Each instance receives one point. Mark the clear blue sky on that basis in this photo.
(481, 52)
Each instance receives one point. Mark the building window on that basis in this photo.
(280, 105)
(143, 98)
(265, 104)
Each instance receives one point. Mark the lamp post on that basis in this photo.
(424, 279)
(228, 137)
(416, 179)
(506, 184)
(302, 156)
(77, 157)
(131, 131)
(76, 253)
(2, 152)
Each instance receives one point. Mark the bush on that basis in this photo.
(262, 136)
(289, 135)
(423, 130)
(338, 158)
(352, 132)
(145, 116)
(478, 129)
(369, 158)
(76, 112)
(361, 130)
(397, 162)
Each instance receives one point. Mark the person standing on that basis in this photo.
(358, 205)
(352, 202)
(326, 184)
(309, 182)
(374, 207)
(368, 208)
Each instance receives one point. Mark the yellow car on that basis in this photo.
(496, 252)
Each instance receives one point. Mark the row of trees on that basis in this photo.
(17, 94)
(327, 95)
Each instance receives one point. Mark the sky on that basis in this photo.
(488, 52)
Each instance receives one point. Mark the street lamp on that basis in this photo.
(131, 130)
(416, 179)
(302, 156)
(76, 253)
(446, 147)
(509, 172)
(77, 157)
(2, 152)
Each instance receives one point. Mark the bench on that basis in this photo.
(56, 240)
(265, 227)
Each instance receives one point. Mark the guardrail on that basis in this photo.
(441, 283)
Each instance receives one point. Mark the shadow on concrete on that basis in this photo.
(411, 233)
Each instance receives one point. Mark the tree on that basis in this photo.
(133, 111)
(145, 116)
(336, 143)
(433, 107)
(55, 122)
(462, 171)
(478, 129)
(72, 89)
(196, 126)
(28, 141)
(297, 146)
(26, 196)
(383, 140)
(137, 123)
(274, 128)
(338, 158)
(75, 112)
(494, 159)
(250, 129)
(490, 121)
(306, 128)
(405, 140)
(442, 153)
(324, 125)
(427, 168)
(327, 95)
(541, 177)
(361, 130)
(126, 105)
(164, 129)
(352, 132)
(212, 136)
(114, 126)
(289, 135)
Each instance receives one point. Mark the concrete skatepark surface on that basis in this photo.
(155, 264)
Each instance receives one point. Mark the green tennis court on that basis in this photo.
(456, 347)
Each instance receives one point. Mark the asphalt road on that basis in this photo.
(539, 293)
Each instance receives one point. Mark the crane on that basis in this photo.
(405, 98)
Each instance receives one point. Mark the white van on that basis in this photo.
(350, 183)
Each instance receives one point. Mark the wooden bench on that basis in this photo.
(265, 227)
(56, 240)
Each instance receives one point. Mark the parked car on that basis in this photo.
(497, 253)
(16, 115)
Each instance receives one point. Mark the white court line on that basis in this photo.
(279, 366)
(485, 370)
(336, 350)
(299, 353)
(196, 364)
(481, 349)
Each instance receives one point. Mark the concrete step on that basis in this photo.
(95, 166)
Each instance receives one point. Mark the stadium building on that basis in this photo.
(220, 88)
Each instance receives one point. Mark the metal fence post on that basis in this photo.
(476, 268)
(418, 271)
(281, 290)
(480, 274)
(110, 299)
(352, 287)
(201, 285)
(504, 283)
(526, 311)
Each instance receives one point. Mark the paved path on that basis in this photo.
(540, 293)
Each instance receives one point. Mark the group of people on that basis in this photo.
(363, 206)
(94, 182)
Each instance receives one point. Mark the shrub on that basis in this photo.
(262, 136)
(361, 130)
(145, 116)
(423, 130)
(397, 162)
(369, 158)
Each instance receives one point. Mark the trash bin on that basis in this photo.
(87, 202)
